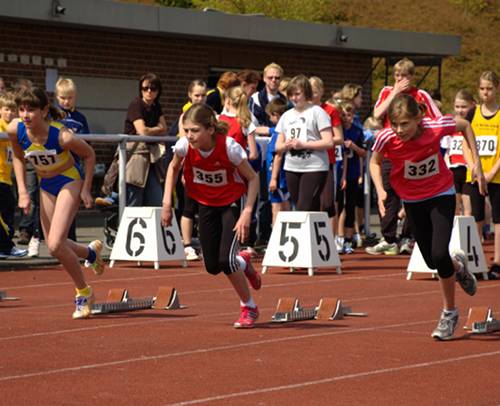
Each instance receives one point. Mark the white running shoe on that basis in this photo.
(34, 247)
(191, 254)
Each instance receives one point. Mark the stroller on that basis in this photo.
(110, 224)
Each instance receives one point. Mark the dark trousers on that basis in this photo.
(7, 208)
(431, 222)
(305, 189)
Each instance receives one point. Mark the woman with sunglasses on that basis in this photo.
(143, 175)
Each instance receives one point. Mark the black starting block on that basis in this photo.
(4, 297)
(288, 309)
(118, 301)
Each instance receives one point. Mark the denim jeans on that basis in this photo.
(150, 195)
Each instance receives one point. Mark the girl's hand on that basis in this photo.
(166, 216)
(297, 144)
(273, 185)
(242, 227)
(381, 199)
(348, 143)
(288, 145)
(24, 202)
(86, 198)
(343, 183)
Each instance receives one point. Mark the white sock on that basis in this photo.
(250, 303)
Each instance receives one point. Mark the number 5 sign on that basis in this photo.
(141, 237)
(301, 239)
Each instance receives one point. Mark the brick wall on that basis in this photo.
(99, 53)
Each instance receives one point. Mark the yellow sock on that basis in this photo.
(84, 292)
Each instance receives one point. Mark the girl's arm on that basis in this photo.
(79, 147)
(477, 172)
(338, 135)
(172, 173)
(242, 226)
(343, 179)
(376, 174)
(281, 144)
(181, 133)
(322, 144)
(19, 165)
(253, 152)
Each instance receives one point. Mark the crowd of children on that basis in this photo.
(425, 166)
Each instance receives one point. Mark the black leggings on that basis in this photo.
(431, 222)
(217, 238)
(347, 201)
(305, 189)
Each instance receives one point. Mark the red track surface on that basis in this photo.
(194, 356)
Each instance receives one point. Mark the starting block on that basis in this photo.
(288, 309)
(3, 296)
(118, 300)
(481, 321)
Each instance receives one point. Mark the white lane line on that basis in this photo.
(357, 375)
(209, 350)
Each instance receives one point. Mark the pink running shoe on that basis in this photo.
(247, 318)
(250, 272)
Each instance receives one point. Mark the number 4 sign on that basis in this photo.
(141, 237)
(301, 239)
(464, 236)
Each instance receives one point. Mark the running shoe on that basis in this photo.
(34, 247)
(405, 246)
(250, 272)
(247, 318)
(383, 247)
(347, 249)
(464, 276)
(339, 244)
(83, 305)
(191, 254)
(494, 272)
(98, 264)
(18, 253)
(357, 242)
(446, 326)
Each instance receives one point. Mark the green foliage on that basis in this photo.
(476, 21)
(312, 10)
(176, 3)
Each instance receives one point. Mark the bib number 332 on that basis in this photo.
(423, 169)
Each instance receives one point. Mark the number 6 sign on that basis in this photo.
(301, 239)
(141, 237)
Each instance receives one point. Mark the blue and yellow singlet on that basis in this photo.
(48, 158)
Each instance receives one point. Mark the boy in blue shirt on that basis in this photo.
(276, 180)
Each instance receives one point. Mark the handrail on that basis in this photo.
(122, 140)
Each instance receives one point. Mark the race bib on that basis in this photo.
(297, 130)
(486, 145)
(44, 157)
(339, 156)
(456, 145)
(423, 169)
(9, 155)
(210, 178)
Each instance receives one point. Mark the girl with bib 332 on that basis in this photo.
(419, 175)
(54, 151)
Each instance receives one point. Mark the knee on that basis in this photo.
(213, 268)
(54, 247)
(443, 263)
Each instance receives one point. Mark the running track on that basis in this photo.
(194, 356)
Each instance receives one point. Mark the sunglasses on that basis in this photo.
(274, 77)
(151, 88)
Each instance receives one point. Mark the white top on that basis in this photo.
(305, 125)
(235, 152)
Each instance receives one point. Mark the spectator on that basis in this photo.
(215, 97)
(143, 175)
(8, 111)
(249, 80)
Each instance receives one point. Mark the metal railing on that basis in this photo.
(122, 140)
